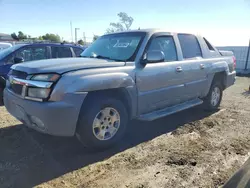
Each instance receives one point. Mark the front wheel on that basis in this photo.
(102, 122)
(213, 99)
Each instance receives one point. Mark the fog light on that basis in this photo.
(41, 93)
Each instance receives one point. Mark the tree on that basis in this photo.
(14, 36)
(81, 42)
(95, 37)
(124, 23)
(51, 37)
(21, 35)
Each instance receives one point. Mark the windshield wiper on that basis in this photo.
(102, 57)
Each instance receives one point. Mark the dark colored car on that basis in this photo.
(30, 52)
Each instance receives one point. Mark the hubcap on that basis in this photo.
(215, 96)
(106, 123)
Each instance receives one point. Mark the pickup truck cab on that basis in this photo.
(30, 52)
(141, 74)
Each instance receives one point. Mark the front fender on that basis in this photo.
(101, 81)
(88, 83)
(96, 82)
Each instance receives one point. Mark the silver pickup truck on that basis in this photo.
(141, 74)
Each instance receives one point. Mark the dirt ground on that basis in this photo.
(193, 148)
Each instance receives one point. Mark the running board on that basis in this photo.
(170, 110)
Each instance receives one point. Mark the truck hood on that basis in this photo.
(63, 65)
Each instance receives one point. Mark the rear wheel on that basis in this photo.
(102, 122)
(213, 99)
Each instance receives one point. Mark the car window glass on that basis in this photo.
(166, 45)
(78, 51)
(190, 46)
(60, 52)
(39, 53)
(117, 46)
(210, 47)
(31, 53)
(25, 53)
(10, 59)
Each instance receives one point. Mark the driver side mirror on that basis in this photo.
(18, 60)
(154, 56)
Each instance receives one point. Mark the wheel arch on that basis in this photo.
(122, 94)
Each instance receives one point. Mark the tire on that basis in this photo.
(96, 110)
(211, 103)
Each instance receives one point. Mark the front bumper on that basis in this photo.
(230, 79)
(55, 118)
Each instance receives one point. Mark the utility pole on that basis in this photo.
(71, 30)
(76, 34)
(84, 38)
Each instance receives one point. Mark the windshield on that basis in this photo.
(6, 52)
(118, 47)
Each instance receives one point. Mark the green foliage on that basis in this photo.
(124, 23)
(21, 35)
(51, 37)
(81, 42)
(14, 36)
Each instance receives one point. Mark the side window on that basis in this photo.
(190, 46)
(166, 45)
(78, 51)
(25, 53)
(60, 52)
(32, 53)
(39, 53)
(210, 47)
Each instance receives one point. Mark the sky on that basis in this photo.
(222, 22)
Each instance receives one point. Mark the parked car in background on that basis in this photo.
(31, 52)
(142, 74)
(4, 45)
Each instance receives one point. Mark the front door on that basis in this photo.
(160, 84)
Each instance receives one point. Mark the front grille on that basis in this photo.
(16, 88)
(18, 74)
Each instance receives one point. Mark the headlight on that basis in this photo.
(46, 77)
(41, 93)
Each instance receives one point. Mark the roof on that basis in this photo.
(152, 30)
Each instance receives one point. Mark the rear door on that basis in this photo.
(194, 65)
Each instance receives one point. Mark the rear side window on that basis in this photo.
(190, 46)
(60, 52)
(210, 47)
(78, 51)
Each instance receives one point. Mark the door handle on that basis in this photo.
(202, 66)
(178, 69)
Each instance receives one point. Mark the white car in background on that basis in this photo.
(4, 45)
